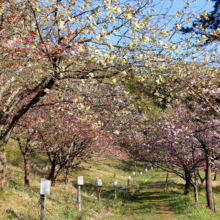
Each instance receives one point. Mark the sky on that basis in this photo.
(200, 5)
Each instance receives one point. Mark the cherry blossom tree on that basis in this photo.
(51, 41)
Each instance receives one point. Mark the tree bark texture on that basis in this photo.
(67, 175)
(26, 170)
(3, 163)
(215, 177)
(209, 192)
(187, 187)
(52, 171)
(196, 193)
(56, 177)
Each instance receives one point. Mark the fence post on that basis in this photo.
(79, 198)
(129, 181)
(42, 201)
(99, 192)
(80, 182)
(99, 183)
(115, 192)
(115, 184)
(44, 190)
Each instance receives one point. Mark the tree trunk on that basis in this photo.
(26, 170)
(187, 187)
(209, 192)
(165, 187)
(67, 175)
(196, 193)
(52, 171)
(135, 167)
(3, 163)
(56, 177)
(201, 185)
(215, 177)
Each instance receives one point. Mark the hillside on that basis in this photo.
(148, 202)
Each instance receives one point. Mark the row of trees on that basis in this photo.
(185, 138)
(83, 76)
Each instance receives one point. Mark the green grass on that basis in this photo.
(148, 202)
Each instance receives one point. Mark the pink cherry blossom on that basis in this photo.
(9, 43)
(18, 67)
(72, 52)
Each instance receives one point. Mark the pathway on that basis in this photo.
(148, 203)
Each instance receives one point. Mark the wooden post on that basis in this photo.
(128, 183)
(99, 192)
(115, 192)
(42, 201)
(79, 198)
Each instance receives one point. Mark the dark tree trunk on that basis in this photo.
(56, 177)
(209, 192)
(3, 163)
(165, 187)
(26, 170)
(67, 175)
(52, 171)
(187, 187)
(215, 177)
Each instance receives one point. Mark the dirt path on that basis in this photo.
(150, 203)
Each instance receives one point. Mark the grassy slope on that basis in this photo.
(149, 201)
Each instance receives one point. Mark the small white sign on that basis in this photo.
(129, 177)
(80, 180)
(45, 187)
(133, 173)
(123, 186)
(151, 168)
(115, 183)
(141, 173)
(146, 169)
(99, 182)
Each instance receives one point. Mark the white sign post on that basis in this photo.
(129, 181)
(146, 171)
(44, 190)
(115, 184)
(99, 183)
(140, 175)
(80, 182)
